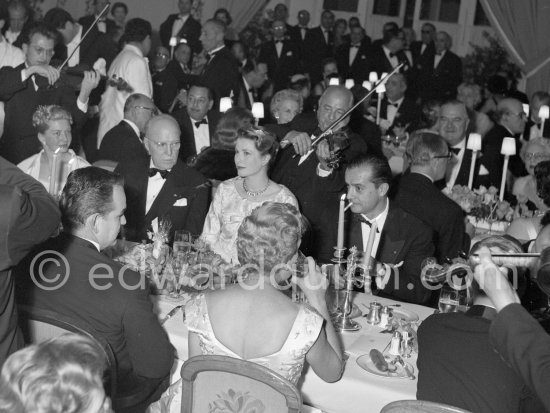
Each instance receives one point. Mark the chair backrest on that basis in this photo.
(229, 383)
(39, 325)
(420, 406)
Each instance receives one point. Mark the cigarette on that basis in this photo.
(349, 206)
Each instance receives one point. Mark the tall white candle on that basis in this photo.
(53, 173)
(507, 149)
(474, 144)
(340, 241)
(380, 89)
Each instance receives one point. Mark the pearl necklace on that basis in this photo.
(254, 193)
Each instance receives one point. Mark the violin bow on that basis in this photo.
(84, 36)
(328, 131)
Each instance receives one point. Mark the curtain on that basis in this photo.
(242, 11)
(524, 28)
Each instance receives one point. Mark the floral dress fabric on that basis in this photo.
(287, 362)
(227, 211)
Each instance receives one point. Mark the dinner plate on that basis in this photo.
(366, 364)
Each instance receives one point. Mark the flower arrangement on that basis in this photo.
(481, 203)
(160, 237)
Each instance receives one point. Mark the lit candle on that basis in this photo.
(370, 244)
(349, 83)
(333, 81)
(173, 42)
(53, 173)
(258, 111)
(225, 104)
(384, 74)
(380, 89)
(340, 241)
(544, 113)
(373, 77)
(474, 144)
(367, 85)
(507, 149)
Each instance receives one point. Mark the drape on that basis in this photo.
(242, 11)
(523, 26)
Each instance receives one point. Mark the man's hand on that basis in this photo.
(323, 154)
(300, 140)
(47, 71)
(89, 82)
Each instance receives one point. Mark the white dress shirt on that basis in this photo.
(278, 46)
(391, 109)
(10, 55)
(438, 58)
(248, 91)
(457, 162)
(11, 36)
(393, 59)
(365, 229)
(73, 45)
(178, 24)
(201, 134)
(352, 53)
(154, 185)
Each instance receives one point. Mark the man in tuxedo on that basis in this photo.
(444, 77)
(318, 46)
(423, 50)
(281, 55)
(533, 125)
(104, 24)
(416, 193)
(221, 72)
(128, 74)
(181, 26)
(28, 85)
(310, 177)
(298, 33)
(123, 142)
(510, 122)
(453, 127)
(89, 286)
(353, 58)
(401, 241)
(254, 76)
(388, 27)
(163, 187)
(197, 121)
(19, 23)
(29, 216)
(399, 113)
(387, 56)
(11, 56)
(280, 13)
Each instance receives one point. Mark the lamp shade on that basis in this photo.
(173, 41)
(367, 85)
(508, 146)
(349, 83)
(474, 142)
(525, 109)
(383, 75)
(373, 77)
(225, 104)
(334, 81)
(258, 110)
(544, 112)
(380, 88)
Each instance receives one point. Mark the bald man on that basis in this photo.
(309, 176)
(161, 187)
(510, 122)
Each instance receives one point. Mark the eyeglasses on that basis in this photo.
(164, 145)
(162, 55)
(41, 50)
(152, 110)
(448, 156)
(520, 115)
(537, 156)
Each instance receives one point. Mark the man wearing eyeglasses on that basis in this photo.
(510, 122)
(30, 84)
(162, 187)
(428, 155)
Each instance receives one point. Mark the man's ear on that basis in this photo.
(92, 223)
(210, 104)
(383, 189)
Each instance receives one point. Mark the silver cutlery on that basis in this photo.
(408, 371)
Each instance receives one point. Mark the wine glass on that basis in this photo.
(182, 241)
(449, 299)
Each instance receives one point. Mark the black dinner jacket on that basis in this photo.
(493, 160)
(122, 315)
(416, 194)
(165, 88)
(181, 183)
(444, 79)
(316, 50)
(190, 31)
(380, 63)
(407, 113)
(188, 148)
(280, 69)
(422, 59)
(464, 171)
(241, 98)
(121, 144)
(358, 71)
(19, 140)
(86, 21)
(406, 239)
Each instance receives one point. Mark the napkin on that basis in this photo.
(362, 345)
(181, 202)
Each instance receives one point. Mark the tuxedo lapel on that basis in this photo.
(390, 245)
(355, 237)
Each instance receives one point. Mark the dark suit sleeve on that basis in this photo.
(29, 214)
(408, 274)
(520, 339)
(10, 82)
(165, 31)
(453, 238)
(148, 345)
(198, 210)
(492, 160)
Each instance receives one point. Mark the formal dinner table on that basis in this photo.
(358, 390)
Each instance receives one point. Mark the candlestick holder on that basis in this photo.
(343, 321)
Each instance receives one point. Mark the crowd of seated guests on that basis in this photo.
(160, 126)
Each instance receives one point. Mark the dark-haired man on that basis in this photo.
(128, 74)
(318, 46)
(112, 299)
(254, 76)
(28, 85)
(354, 58)
(401, 241)
(181, 26)
(19, 23)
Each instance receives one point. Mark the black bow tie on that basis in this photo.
(163, 173)
(393, 104)
(200, 122)
(278, 41)
(360, 218)
(438, 54)
(456, 151)
(392, 54)
(354, 46)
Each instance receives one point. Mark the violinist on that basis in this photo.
(314, 178)
(33, 83)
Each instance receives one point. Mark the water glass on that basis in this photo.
(182, 241)
(336, 292)
(449, 299)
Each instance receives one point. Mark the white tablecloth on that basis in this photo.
(357, 391)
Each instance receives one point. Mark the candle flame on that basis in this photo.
(343, 197)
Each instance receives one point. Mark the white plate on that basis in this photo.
(366, 364)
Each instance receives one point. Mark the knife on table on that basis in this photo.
(172, 312)
(408, 371)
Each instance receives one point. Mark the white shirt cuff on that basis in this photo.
(82, 106)
(322, 173)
